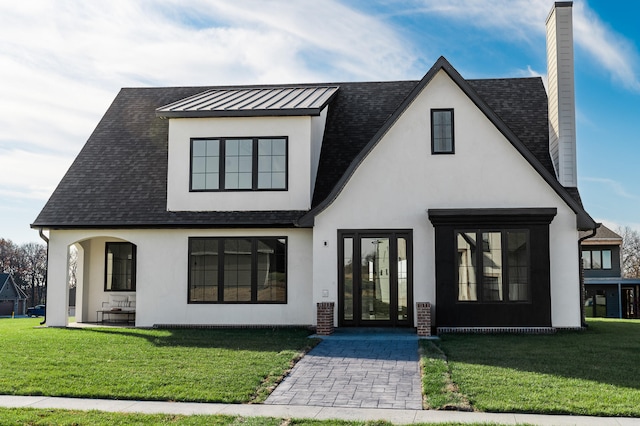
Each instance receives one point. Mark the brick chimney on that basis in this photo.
(561, 93)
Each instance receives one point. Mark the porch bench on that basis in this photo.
(120, 306)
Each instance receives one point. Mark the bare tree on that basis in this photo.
(34, 269)
(28, 265)
(9, 257)
(73, 266)
(630, 252)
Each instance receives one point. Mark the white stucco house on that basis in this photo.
(244, 206)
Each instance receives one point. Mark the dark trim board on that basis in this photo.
(449, 311)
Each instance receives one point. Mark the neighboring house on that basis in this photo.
(13, 301)
(607, 294)
(250, 205)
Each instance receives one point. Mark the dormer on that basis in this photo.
(245, 148)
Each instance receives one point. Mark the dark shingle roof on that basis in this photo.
(119, 178)
(602, 234)
(522, 104)
(355, 115)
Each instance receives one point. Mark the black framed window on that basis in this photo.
(120, 267)
(493, 266)
(442, 131)
(596, 259)
(238, 270)
(242, 164)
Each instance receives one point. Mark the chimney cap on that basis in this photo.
(557, 5)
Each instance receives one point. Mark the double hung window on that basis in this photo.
(247, 164)
(238, 270)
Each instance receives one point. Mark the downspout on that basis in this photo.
(46, 240)
(583, 318)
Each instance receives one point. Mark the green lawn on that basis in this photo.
(595, 372)
(204, 365)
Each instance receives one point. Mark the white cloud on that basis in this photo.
(28, 175)
(615, 53)
(63, 62)
(522, 20)
(508, 19)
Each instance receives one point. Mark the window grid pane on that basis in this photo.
(119, 267)
(467, 281)
(272, 163)
(518, 261)
(606, 259)
(492, 266)
(245, 168)
(205, 164)
(503, 274)
(271, 284)
(203, 263)
(254, 270)
(238, 163)
(237, 270)
(442, 131)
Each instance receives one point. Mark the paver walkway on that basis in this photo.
(374, 370)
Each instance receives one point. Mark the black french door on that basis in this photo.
(375, 283)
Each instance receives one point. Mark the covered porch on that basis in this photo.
(103, 270)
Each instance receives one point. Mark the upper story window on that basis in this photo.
(442, 141)
(120, 267)
(219, 164)
(596, 259)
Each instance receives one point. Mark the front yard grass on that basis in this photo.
(203, 365)
(594, 372)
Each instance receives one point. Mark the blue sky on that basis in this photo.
(63, 62)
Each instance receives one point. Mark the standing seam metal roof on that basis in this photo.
(251, 101)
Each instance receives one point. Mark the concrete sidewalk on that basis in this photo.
(395, 416)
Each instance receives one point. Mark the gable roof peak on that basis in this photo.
(584, 220)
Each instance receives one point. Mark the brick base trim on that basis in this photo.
(325, 325)
(424, 318)
(503, 330)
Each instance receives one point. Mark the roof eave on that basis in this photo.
(241, 113)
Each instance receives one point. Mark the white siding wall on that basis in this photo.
(562, 121)
(400, 180)
(181, 130)
(161, 281)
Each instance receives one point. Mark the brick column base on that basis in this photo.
(325, 318)
(424, 318)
